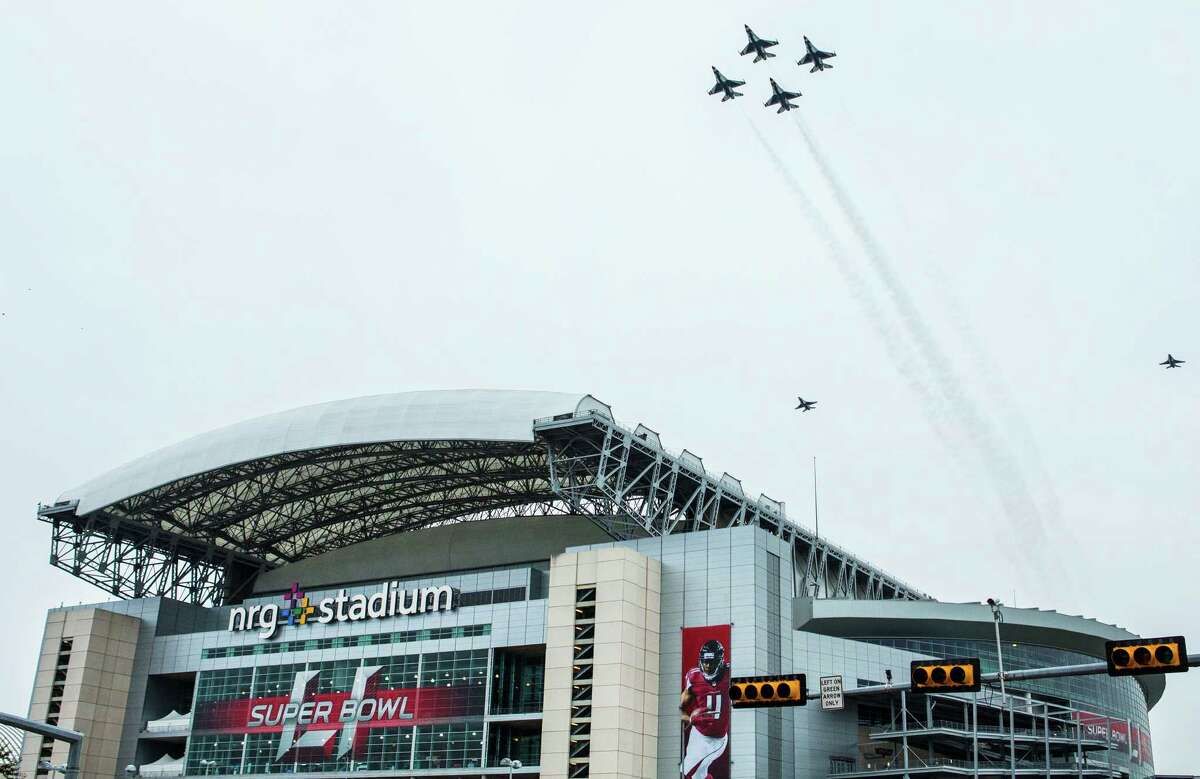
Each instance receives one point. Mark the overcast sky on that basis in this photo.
(213, 211)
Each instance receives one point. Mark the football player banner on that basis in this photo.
(704, 703)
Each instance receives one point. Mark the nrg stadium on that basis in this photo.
(497, 583)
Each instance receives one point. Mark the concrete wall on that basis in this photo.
(458, 547)
(96, 689)
(722, 577)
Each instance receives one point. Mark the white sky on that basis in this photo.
(214, 211)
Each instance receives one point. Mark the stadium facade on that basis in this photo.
(449, 583)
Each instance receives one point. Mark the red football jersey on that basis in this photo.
(711, 700)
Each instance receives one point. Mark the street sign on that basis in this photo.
(832, 698)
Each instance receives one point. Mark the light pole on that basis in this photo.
(206, 765)
(997, 618)
(511, 765)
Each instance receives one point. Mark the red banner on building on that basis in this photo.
(335, 724)
(1095, 726)
(1118, 734)
(704, 703)
(331, 710)
(1145, 751)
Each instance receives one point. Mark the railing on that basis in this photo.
(845, 766)
(939, 724)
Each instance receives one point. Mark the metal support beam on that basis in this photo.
(130, 560)
(1046, 733)
(1050, 672)
(632, 488)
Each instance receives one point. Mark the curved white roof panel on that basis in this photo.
(449, 415)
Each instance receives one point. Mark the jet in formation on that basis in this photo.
(758, 45)
(815, 57)
(781, 98)
(1171, 362)
(726, 85)
(805, 405)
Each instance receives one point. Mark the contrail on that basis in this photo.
(1010, 412)
(897, 349)
(1002, 404)
(1007, 478)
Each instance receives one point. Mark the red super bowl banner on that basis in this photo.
(335, 723)
(329, 711)
(1118, 735)
(1142, 751)
(1121, 736)
(1098, 726)
(704, 703)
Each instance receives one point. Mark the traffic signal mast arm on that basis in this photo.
(74, 739)
(1051, 672)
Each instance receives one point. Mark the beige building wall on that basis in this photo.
(623, 726)
(84, 672)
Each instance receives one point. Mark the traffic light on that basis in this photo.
(1146, 656)
(946, 675)
(760, 691)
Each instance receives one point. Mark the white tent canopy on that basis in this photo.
(173, 721)
(164, 766)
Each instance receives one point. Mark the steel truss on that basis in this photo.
(983, 733)
(203, 538)
(628, 484)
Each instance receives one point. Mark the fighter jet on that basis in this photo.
(816, 57)
(1171, 362)
(805, 405)
(758, 45)
(725, 85)
(781, 98)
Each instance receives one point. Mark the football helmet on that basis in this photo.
(712, 660)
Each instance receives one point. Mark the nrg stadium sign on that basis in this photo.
(389, 601)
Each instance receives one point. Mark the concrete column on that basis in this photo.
(624, 714)
(975, 735)
(85, 668)
(1046, 730)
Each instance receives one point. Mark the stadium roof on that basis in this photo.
(200, 519)
(449, 415)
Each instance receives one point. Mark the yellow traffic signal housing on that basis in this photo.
(946, 675)
(1146, 656)
(747, 692)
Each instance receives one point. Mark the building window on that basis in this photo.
(339, 642)
(275, 680)
(225, 685)
(516, 741)
(335, 675)
(225, 751)
(397, 673)
(449, 745)
(517, 681)
(387, 749)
